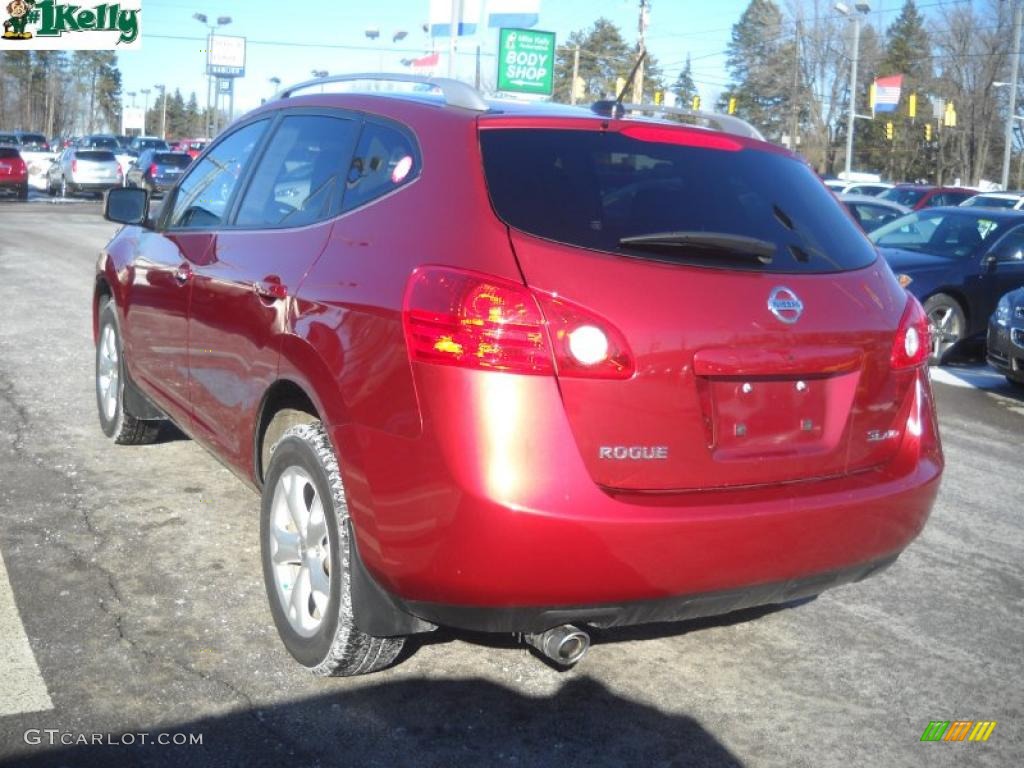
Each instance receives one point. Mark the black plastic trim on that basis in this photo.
(137, 404)
(375, 610)
(539, 619)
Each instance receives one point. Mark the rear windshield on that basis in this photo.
(33, 140)
(151, 144)
(903, 195)
(9, 139)
(9, 152)
(591, 188)
(101, 142)
(173, 159)
(96, 155)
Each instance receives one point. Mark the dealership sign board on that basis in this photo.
(526, 62)
(225, 56)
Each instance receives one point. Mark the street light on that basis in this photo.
(374, 32)
(163, 110)
(132, 94)
(862, 8)
(203, 19)
(1014, 63)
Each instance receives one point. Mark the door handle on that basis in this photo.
(271, 289)
(183, 274)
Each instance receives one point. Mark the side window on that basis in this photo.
(1011, 246)
(203, 196)
(384, 160)
(300, 178)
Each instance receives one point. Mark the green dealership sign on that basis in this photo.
(526, 62)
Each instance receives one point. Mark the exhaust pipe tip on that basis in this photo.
(565, 645)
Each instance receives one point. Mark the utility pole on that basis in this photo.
(638, 78)
(453, 38)
(1014, 66)
(575, 74)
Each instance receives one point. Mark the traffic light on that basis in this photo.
(888, 131)
(657, 97)
(732, 105)
(927, 131)
(912, 106)
(696, 103)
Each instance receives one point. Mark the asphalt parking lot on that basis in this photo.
(132, 606)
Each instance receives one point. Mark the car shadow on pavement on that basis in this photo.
(419, 722)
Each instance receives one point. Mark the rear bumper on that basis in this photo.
(493, 522)
(94, 186)
(680, 608)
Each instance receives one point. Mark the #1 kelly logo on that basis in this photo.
(51, 25)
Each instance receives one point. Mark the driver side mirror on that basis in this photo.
(1010, 254)
(127, 205)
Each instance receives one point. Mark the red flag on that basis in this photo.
(424, 62)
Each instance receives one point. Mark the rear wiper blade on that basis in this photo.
(733, 245)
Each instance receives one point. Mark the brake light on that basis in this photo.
(74, 165)
(912, 344)
(152, 170)
(119, 172)
(694, 137)
(473, 320)
(18, 167)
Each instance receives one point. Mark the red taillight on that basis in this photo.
(74, 165)
(912, 344)
(693, 137)
(18, 167)
(472, 320)
(152, 170)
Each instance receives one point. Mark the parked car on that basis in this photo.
(193, 147)
(83, 170)
(1014, 200)
(1006, 335)
(142, 143)
(24, 140)
(918, 196)
(872, 188)
(99, 141)
(157, 171)
(870, 212)
(520, 367)
(957, 262)
(13, 173)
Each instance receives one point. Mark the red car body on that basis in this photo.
(916, 196)
(517, 499)
(13, 172)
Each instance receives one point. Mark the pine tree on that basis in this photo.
(605, 56)
(907, 53)
(684, 87)
(760, 65)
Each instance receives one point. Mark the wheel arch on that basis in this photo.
(953, 293)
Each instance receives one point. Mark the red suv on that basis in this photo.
(522, 369)
(917, 196)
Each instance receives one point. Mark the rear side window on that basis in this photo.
(101, 142)
(593, 188)
(33, 139)
(96, 156)
(203, 195)
(384, 160)
(9, 152)
(903, 195)
(300, 177)
(172, 159)
(9, 139)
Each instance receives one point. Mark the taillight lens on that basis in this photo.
(473, 320)
(74, 165)
(912, 344)
(18, 167)
(152, 170)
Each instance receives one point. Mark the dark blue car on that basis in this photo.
(958, 262)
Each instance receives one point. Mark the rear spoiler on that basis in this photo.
(714, 120)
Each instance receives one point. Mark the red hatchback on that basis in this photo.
(918, 196)
(13, 173)
(520, 369)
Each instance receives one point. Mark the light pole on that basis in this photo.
(1014, 64)
(163, 110)
(373, 33)
(132, 94)
(145, 110)
(222, 21)
(861, 8)
(276, 82)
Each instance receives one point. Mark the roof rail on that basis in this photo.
(455, 92)
(724, 123)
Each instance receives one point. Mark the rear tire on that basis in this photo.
(947, 325)
(23, 193)
(115, 421)
(304, 542)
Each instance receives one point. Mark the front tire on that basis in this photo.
(304, 537)
(946, 325)
(115, 421)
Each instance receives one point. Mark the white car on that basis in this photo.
(1014, 200)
